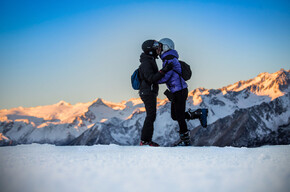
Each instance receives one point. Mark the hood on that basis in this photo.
(143, 57)
(171, 52)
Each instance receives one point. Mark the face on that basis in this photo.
(159, 49)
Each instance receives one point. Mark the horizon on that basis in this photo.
(136, 98)
(82, 50)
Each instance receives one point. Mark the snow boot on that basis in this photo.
(201, 114)
(184, 139)
(149, 143)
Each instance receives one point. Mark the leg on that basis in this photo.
(173, 110)
(184, 139)
(179, 109)
(200, 114)
(180, 115)
(150, 106)
(193, 114)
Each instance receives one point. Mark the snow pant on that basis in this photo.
(178, 105)
(150, 102)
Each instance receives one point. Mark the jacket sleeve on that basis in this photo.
(166, 77)
(150, 76)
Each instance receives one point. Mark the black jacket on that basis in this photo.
(149, 75)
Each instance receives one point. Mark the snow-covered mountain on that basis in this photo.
(247, 113)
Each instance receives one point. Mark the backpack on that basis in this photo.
(135, 80)
(185, 71)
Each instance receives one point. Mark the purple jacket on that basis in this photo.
(173, 81)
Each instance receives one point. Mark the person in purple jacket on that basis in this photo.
(177, 92)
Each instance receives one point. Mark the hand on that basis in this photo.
(167, 68)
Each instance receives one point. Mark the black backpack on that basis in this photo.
(185, 71)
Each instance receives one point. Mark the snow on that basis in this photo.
(263, 82)
(61, 122)
(62, 111)
(2, 137)
(49, 168)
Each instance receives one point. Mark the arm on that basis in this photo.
(149, 74)
(152, 77)
(169, 72)
(166, 77)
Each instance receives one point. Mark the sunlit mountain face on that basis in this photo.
(246, 113)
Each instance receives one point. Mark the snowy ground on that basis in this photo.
(48, 168)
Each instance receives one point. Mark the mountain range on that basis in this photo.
(247, 113)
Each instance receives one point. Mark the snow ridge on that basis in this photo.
(121, 123)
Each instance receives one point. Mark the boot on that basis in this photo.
(194, 114)
(203, 117)
(184, 139)
(200, 114)
(149, 143)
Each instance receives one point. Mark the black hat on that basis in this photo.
(148, 48)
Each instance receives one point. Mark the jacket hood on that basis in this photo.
(143, 57)
(170, 52)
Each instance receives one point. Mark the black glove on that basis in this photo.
(166, 68)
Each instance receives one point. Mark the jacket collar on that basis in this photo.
(171, 52)
(143, 57)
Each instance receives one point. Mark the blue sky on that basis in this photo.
(80, 50)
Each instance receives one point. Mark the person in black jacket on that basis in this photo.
(149, 76)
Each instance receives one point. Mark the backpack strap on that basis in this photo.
(179, 74)
(169, 57)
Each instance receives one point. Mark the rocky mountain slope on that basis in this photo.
(248, 113)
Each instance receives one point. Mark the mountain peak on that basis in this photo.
(282, 73)
(265, 84)
(98, 102)
(63, 103)
(282, 70)
(132, 102)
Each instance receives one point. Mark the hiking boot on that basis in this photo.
(149, 143)
(182, 143)
(200, 114)
(184, 139)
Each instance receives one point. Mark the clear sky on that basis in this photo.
(80, 50)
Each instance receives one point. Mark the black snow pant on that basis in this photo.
(178, 105)
(150, 102)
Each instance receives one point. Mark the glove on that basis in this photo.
(166, 68)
